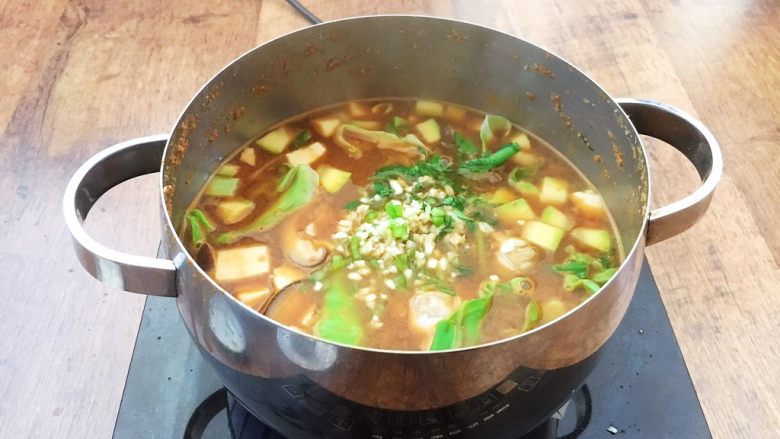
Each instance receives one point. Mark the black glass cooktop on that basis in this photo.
(640, 388)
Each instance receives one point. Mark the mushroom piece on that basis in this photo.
(300, 249)
(427, 309)
(517, 255)
(305, 253)
(290, 306)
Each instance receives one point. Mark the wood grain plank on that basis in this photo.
(709, 276)
(727, 59)
(718, 317)
(92, 73)
(19, 66)
(278, 18)
(105, 72)
(615, 42)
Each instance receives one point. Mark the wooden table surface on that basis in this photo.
(78, 76)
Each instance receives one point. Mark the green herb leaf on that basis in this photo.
(582, 270)
(340, 320)
(454, 202)
(464, 270)
(447, 290)
(431, 282)
(435, 167)
(464, 145)
(446, 336)
(603, 276)
(401, 262)
(352, 205)
(198, 236)
(446, 227)
(337, 261)
(578, 268)
(354, 247)
(472, 313)
(201, 217)
(286, 179)
(382, 189)
(462, 328)
(401, 282)
(519, 173)
(571, 283)
(590, 285)
(302, 138)
(199, 226)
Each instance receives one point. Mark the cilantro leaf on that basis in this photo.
(465, 146)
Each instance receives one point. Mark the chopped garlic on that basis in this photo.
(396, 187)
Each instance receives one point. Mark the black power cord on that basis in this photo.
(583, 406)
(305, 12)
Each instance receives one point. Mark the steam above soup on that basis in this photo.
(403, 224)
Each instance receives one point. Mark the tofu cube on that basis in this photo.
(241, 263)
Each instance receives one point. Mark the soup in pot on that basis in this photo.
(403, 224)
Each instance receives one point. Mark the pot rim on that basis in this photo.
(629, 255)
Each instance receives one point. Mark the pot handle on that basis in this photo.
(104, 170)
(697, 143)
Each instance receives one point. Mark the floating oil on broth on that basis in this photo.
(403, 224)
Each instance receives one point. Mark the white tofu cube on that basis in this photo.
(241, 262)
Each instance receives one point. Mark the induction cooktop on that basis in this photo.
(639, 389)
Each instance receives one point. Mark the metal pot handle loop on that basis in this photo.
(104, 170)
(697, 143)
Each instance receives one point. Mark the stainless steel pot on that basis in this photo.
(303, 386)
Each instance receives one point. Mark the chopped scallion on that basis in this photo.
(352, 205)
(401, 262)
(492, 161)
(354, 247)
(302, 138)
(395, 210)
(437, 216)
(371, 216)
(399, 231)
(199, 226)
